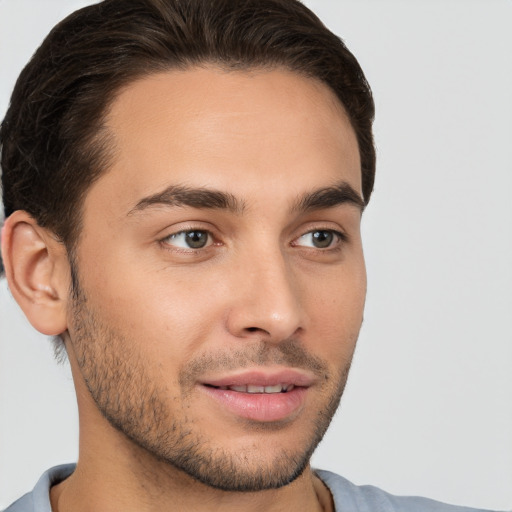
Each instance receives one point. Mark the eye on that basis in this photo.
(320, 239)
(191, 239)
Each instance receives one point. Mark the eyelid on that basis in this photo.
(164, 241)
(339, 235)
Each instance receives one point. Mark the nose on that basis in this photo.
(267, 302)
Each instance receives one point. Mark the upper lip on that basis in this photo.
(263, 377)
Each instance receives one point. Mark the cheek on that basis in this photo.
(336, 307)
(166, 314)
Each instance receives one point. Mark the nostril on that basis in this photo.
(258, 330)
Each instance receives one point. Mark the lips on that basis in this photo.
(261, 396)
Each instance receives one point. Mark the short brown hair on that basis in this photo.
(52, 140)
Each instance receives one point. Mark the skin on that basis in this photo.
(155, 319)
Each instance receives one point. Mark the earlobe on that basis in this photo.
(37, 271)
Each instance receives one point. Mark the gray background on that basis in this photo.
(428, 406)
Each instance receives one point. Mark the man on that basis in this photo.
(183, 186)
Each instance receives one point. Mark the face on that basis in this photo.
(221, 274)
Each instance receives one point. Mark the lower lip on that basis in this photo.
(262, 407)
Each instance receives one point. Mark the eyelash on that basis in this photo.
(339, 238)
(170, 247)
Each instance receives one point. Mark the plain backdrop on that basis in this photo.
(428, 407)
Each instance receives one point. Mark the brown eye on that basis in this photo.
(196, 239)
(322, 239)
(193, 239)
(319, 239)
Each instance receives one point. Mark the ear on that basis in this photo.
(37, 271)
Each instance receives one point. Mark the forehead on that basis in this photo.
(227, 129)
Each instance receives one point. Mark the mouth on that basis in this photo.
(254, 388)
(259, 395)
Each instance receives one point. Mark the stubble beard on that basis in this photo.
(141, 408)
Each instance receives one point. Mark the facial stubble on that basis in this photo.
(140, 407)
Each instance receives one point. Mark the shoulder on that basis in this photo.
(24, 504)
(367, 498)
(39, 499)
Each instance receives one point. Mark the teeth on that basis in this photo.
(255, 389)
(277, 388)
(274, 389)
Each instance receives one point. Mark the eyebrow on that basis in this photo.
(205, 198)
(180, 195)
(329, 197)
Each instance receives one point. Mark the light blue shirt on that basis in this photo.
(347, 496)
